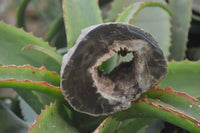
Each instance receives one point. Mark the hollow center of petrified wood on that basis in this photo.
(124, 82)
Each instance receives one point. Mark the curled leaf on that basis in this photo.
(51, 54)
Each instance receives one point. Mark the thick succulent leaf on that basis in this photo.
(183, 76)
(183, 112)
(51, 121)
(134, 125)
(21, 13)
(27, 112)
(181, 101)
(12, 40)
(87, 123)
(109, 125)
(55, 56)
(128, 15)
(30, 73)
(32, 86)
(117, 7)
(182, 14)
(79, 15)
(27, 72)
(31, 99)
(54, 28)
(10, 123)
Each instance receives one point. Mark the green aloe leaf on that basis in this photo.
(79, 15)
(179, 100)
(55, 56)
(183, 76)
(128, 15)
(51, 121)
(12, 40)
(54, 28)
(27, 112)
(32, 86)
(10, 123)
(30, 73)
(117, 7)
(134, 125)
(181, 19)
(21, 13)
(87, 123)
(31, 99)
(174, 107)
(109, 125)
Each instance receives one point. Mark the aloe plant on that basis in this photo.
(32, 67)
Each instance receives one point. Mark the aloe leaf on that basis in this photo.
(32, 86)
(155, 109)
(109, 125)
(54, 28)
(87, 123)
(27, 112)
(128, 15)
(31, 99)
(51, 121)
(183, 76)
(79, 15)
(21, 13)
(30, 73)
(181, 19)
(10, 123)
(190, 105)
(181, 110)
(13, 40)
(134, 125)
(55, 56)
(117, 7)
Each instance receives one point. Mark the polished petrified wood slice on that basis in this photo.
(92, 91)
